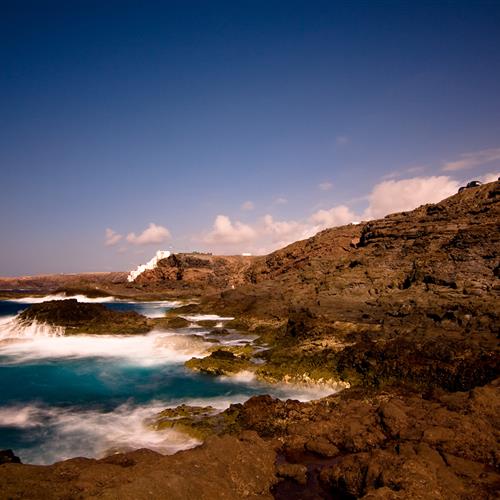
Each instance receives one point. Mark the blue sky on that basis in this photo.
(232, 126)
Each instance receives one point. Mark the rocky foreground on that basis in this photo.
(386, 444)
(404, 309)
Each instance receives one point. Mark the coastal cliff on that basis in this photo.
(403, 309)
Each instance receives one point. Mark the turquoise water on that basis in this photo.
(62, 397)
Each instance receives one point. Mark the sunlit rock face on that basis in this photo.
(160, 254)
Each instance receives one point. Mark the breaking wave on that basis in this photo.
(90, 432)
(92, 395)
(42, 341)
(12, 328)
(281, 390)
(150, 309)
(206, 317)
(61, 296)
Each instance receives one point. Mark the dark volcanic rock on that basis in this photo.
(405, 308)
(391, 443)
(417, 298)
(196, 272)
(219, 362)
(223, 467)
(8, 457)
(80, 317)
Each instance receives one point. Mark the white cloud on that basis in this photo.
(248, 205)
(491, 177)
(280, 201)
(112, 237)
(268, 233)
(280, 233)
(325, 186)
(470, 160)
(280, 229)
(341, 140)
(226, 232)
(335, 216)
(151, 235)
(398, 196)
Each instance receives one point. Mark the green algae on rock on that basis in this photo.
(198, 422)
(220, 362)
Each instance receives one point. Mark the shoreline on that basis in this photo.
(404, 309)
(304, 390)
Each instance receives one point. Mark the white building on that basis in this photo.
(160, 254)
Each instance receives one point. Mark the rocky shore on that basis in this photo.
(82, 318)
(403, 310)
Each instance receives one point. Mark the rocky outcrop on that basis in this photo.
(80, 317)
(414, 296)
(198, 422)
(405, 309)
(197, 272)
(220, 362)
(223, 467)
(8, 457)
(391, 443)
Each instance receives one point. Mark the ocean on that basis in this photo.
(90, 396)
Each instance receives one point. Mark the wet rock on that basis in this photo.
(172, 321)
(80, 317)
(297, 472)
(196, 421)
(220, 362)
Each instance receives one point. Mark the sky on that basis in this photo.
(240, 126)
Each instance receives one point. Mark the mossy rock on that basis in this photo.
(198, 422)
(220, 362)
(171, 321)
(237, 324)
(245, 352)
(291, 364)
(208, 323)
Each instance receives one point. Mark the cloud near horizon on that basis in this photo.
(281, 231)
(226, 232)
(399, 196)
(474, 159)
(490, 177)
(112, 237)
(153, 234)
(335, 216)
(389, 196)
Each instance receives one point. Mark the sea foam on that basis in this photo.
(62, 296)
(41, 341)
(91, 433)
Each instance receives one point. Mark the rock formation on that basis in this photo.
(405, 309)
(412, 297)
(80, 317)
